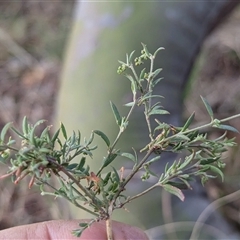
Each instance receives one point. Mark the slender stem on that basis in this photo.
(200, 127)
(148, 121)
(230, 118)
(85, 191)
(109, 229)
(74, 202)
(130, 176)
(139, 194)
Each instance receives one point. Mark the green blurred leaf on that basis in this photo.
(208, 107)
(130, 104)
(174, 190)
(156, 52)
(103, 136)
(128, 155)
(227, 127)
(81, 164)
(129, 58)
(188, 122)
(115, 176)
(217, 170)
(25, 126)
(146, 50)
(64, 132)
(116, 113)
(55, 136)
(155, 111)
(109, 159)
(4, 131)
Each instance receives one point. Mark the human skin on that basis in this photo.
(61, 229)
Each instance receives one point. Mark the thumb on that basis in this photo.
(61, 229)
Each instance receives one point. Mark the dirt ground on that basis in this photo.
(32, 40)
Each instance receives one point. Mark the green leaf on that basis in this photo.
(153, 160)
(103, 136)
(208, 161)
(156, 52)
(116, 176)
(186, 161)
(25, 125)
(217, 170)
(116, 113)
(156, 72)
(108, 160)
(142, 74)
(81, 164)
(158, 111)
(106, 179)
(83, 225)
(228, 128)
(146, 50)
(179, 136)
(128, 155)
(130, 104)
(188, 122)
(180, 185)
(208, 107)
(129, 59)
(72, 166)
(64, 132)
(55, 136)
(174, 190)
(4, 131)
(149, 95)
(156, 81)
(45, 132)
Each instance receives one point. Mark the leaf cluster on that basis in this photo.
(100, 193)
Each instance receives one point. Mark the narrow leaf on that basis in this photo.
(25, 126)
(188, 122)
(130, 104)
(208, 107)
(116, 113)
(158, 111)
(103, 136)
(142, 74)
(217, 170)
(153, 160)
(55, 136)
(228, 128)
(156, 72)
(108, 160)
(159, 49)
(4, 131)
(174, 190)
(116, 176)
(146, 50)
(130, 57)
(64, 132)
(81, 164)
(128, 155)
(179, 185)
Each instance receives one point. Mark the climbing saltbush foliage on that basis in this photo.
(43, 156)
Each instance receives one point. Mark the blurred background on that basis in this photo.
(33, 41)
